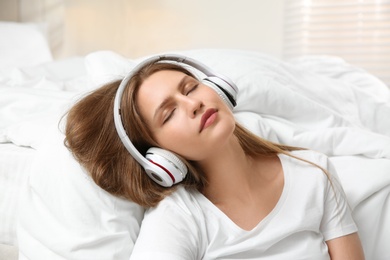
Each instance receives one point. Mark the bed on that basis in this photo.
(50, 208)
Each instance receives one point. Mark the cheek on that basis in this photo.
(175, 138)
(181, 139)
(193, 146)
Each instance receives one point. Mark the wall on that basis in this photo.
(139, 27)
(9, 10)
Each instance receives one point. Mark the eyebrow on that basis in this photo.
(166, 101)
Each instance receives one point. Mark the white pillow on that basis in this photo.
(105, 66)
(22, 45)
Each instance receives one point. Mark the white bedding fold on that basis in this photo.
(26, 113)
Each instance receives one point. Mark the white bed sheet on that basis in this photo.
(15, 166)
(367, 185)
(321, 103)
(32, 96)
(15, 161)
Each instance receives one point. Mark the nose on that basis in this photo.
(192, 105)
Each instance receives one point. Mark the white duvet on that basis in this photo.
(321, 103)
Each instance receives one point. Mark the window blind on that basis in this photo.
(355, 30)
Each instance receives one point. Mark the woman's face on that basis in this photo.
(184, 115)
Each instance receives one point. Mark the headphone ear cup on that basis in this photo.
(218, 89)
(170, 164)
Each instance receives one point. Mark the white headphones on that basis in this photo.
(162, 166)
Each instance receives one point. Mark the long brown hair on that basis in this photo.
(93, 140)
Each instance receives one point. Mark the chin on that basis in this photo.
(225, 129)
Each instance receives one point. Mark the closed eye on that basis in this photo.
(169, 115)
(186, 88)
(191, 89)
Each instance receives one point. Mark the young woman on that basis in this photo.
(242, 198)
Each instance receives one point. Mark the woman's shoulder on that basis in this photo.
(173, 229)
(305, 162)
(182, 203)
(315, 157)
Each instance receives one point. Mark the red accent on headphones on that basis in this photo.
(165, 169)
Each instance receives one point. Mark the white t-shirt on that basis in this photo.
(186, 225)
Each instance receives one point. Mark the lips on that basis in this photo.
(208, 118)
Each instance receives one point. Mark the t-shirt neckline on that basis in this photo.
(204, 201)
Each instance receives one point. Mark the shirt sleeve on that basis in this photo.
(337, 220)
(170, 231)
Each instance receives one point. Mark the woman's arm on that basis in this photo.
(346, 248)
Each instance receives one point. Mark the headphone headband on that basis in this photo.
(166, 174)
